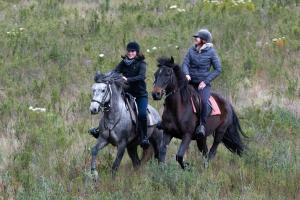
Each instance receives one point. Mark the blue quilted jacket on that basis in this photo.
(198, 64)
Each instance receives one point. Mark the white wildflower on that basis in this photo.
(21, 29)
(101, 55)
(173, 6)
(8, 32)
(148, 50)
(177, 47)
(37, 109)
(42, 109)
(154, 48)
(180, 10)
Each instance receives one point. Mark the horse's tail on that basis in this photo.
(232, 138)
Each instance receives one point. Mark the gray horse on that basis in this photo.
(117, 126)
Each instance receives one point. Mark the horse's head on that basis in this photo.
(164, 77)
(102, 90)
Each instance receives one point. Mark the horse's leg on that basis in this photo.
(156, 141)
(182, 149)
(120, 154)
(101, 142)
(132, 152)
(219, 134)
(202, 146)
(163, 148)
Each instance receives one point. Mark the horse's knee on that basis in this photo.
(94, 151)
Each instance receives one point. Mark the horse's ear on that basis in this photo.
(172, 60)
(98, 76)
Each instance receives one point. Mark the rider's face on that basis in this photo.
(131, 54)
(197, 41)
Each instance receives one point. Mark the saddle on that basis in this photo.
(213, 106)
(133, 110)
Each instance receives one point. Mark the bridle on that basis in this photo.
(105, 106)
(171, 92)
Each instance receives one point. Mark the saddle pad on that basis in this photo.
(215, 107)
(150, 118)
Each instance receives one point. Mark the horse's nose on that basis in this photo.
(156, 95)
(93, 111)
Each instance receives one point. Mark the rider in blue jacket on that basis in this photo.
(197, 69)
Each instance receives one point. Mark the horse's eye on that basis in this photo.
(103, 91)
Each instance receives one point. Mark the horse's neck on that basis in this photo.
(117, 105)
(173, 86)
(174, 99)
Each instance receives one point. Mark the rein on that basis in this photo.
(173, 92)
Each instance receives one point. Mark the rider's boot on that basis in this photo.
(94, 132)
(143, 133)
(200, 130)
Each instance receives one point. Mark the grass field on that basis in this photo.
(49, 52)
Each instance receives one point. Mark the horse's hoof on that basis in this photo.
(94, 175)
(205, 163)
(187, 166)
(113, 174)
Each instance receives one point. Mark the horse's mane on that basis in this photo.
(110, 77)
(185, 91)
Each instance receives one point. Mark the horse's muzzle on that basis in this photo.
(94, 111)
(156, 95)
(94, 108)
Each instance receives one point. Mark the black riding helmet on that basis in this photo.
(133, 46)
(204, 34)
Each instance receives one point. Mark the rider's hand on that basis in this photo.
(188, 77)
(201, 85)
(124, 78)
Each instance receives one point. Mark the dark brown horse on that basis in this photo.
(179, 119)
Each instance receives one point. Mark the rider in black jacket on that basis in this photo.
(133, 68)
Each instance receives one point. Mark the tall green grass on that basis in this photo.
(50, 52)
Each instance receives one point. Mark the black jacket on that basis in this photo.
(136, 75)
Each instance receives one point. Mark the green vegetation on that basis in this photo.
(50, 51)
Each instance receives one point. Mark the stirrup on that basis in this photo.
(159, 126)
(94, 132)
(145, 143)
